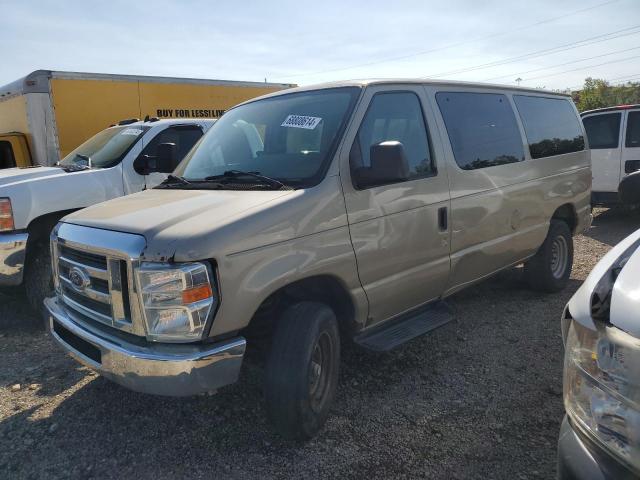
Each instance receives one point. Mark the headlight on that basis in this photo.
(177, 300)
(6, 215)
(602, 387)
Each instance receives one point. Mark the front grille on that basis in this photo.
(94, 285)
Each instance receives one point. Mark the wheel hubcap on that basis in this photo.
(319, 371)
(559, 257)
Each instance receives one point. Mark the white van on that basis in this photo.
(614, 139)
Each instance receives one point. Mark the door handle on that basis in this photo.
(443, 221)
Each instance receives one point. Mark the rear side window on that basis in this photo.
(550, 124)
(633, 130)
(395, 116)
(482, 129)
(7, 160)
(603, 131)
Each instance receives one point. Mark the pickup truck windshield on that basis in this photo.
(290, 138)
(105, 149)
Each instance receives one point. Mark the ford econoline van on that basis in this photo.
(614, 139)
(344, 211)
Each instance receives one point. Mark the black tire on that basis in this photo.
(302, 370)
(38, 281)
(549, 270)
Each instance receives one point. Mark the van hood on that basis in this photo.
(172, 213)
(192, 225)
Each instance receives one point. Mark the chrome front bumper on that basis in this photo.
(13, 252)
(160, 369)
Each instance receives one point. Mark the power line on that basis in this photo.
(625, 76)
(539, 53)
(582, 68)
(446, 47)
(511, 75)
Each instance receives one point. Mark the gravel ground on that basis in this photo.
(478, 398)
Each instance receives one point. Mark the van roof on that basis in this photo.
(37, 81)
(405, 81)
(611, 109)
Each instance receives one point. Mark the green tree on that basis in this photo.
(598, 93)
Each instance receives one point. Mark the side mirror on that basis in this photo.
(629, 189)
(165, 160)
(389, 164)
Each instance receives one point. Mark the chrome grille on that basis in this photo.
(95, 281)
(100, 297)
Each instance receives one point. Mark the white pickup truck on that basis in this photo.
(120, 160)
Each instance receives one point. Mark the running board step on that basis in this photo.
(397, 332)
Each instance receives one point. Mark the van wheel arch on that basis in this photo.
(324, 289)
(567, 214)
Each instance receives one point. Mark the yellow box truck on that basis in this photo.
(46, 114)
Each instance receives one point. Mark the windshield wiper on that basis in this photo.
(238, 174)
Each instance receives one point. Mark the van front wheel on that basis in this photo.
(550, 268)
(302, 370)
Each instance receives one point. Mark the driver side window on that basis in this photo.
(395, 116)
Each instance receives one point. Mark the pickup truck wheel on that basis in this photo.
(38, 280)
(302, 370)
(549, 270)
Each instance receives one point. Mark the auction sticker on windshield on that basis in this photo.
(132, 131)
(301, 121)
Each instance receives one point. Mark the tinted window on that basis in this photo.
(394, 117)
(633, 130)
(550, 124)
(603, 131)
(482, 129)
(184, 137)
(6, 155)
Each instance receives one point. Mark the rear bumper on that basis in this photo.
(13, 252)
(159, 369)
(581, 459)
(604, 199)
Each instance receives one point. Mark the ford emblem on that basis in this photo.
(79, 279)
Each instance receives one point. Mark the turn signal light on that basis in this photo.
(197, 294)
(6, 215)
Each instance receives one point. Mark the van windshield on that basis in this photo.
(290, 138)
(106, 148)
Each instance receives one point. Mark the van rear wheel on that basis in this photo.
(302, 370)
(550, 268)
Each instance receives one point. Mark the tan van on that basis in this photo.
(341, 211)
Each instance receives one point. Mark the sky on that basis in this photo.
(544, 43)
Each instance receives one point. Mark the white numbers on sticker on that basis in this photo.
(301, 121)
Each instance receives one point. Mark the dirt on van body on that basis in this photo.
(479, 398)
